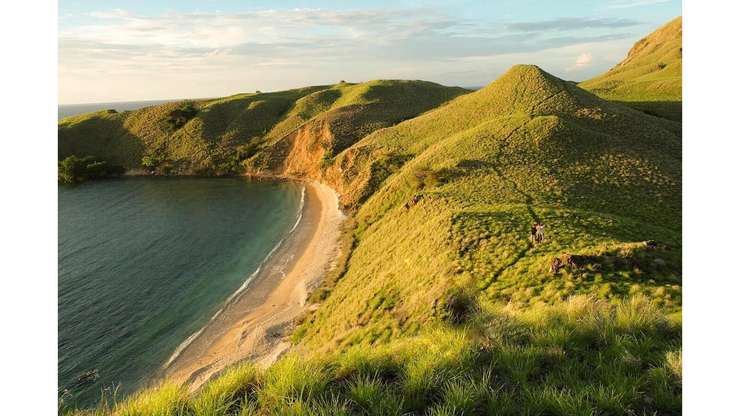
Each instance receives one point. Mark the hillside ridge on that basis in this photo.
(215, 137)
(445, 200)
(649, 78)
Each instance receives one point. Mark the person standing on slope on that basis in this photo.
(540, 233)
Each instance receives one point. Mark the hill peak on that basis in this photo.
(530, 89)
(528, 75)
(526, 69)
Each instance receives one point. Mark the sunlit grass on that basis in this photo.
(650, 78)
(583, 356)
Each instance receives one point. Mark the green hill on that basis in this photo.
(214, 137)
(649, 79)
(444, 202)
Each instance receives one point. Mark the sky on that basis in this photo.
(143, 50)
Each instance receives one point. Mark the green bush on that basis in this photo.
(74, 169)
(178, 117)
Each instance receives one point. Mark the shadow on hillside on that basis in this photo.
(105, 138)
(671, 110)
(242, 118)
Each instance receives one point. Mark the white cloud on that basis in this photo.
(109, 14)
(122, 56)
(572, 23)
(584, 60)
(624, 4)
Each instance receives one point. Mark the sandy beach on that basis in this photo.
(256, 324)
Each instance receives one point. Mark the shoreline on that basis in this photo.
(240, 290)
(254, 325)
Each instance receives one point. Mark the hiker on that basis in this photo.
(540, 234)
(533, 233)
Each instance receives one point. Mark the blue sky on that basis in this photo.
(137, 50)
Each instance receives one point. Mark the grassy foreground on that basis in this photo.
(581, 357)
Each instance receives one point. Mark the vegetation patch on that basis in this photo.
(75, 169)
(179, 116)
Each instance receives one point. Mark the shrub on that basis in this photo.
(459, 305)
(151, 161)
(181, 115)
(326, 159)
(74, 169)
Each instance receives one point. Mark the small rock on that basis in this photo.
(555, 265)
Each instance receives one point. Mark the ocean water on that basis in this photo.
(144, 263)
(67, 110)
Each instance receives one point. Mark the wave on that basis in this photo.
(184, 345)
(300, 210)
(189, 340)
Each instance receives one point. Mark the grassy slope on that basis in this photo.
(324, 123)
(199, 145)
(529, 146)
(226, 131)
(649, 79)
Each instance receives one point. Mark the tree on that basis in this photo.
(75, 169)
(71, 170)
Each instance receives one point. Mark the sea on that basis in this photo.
(145, 263)
(67, 110)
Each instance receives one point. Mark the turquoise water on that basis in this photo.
(145, 262)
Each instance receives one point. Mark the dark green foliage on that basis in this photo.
(181, 115)
(74, 169)
(326, 159)
(152, 160)
(422, 177)
(458, 305)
